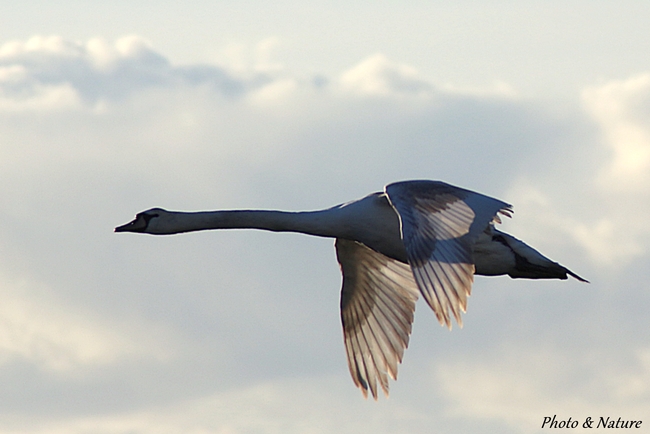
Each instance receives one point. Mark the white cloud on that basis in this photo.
(137, 131)
(614, 229)
(13, 73)
(37, 329)
(39, 45)
(520, 386)
(293, 405)
(265, 59)
(379, 76)
(275, 93)
(622, 107)
(542, 220)
(42, 98)
(34, 70)
(53, 72)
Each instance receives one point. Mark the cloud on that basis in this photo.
(289, 406)
(379, 76)
(610, 193)
(622, 107)
(523, 385)
(52, 72)
(236, 331)
(54, 337)
(542, 219)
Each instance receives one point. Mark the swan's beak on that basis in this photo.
(137, 225)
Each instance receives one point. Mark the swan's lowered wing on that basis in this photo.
(439, 224)
(377, 304)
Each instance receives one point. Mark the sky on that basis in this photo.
(111, 108)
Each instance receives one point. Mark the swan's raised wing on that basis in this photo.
(439, 224)
(377, 304)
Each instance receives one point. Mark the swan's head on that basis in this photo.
(152, 221)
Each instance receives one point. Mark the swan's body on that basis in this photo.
(416, 237)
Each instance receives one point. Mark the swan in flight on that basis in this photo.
(415, 237)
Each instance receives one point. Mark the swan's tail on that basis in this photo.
(551, 270)
(530, 264)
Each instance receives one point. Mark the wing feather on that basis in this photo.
(377, 304)
(439, 225)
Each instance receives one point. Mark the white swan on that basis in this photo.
(423, 237)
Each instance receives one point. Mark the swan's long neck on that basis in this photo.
(370, 220)
(325, 223)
